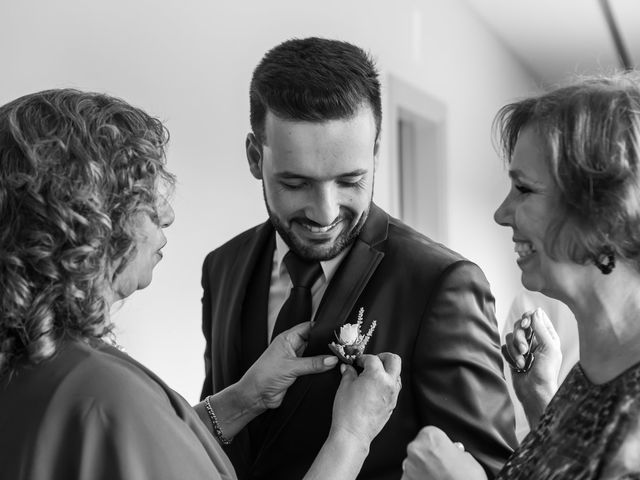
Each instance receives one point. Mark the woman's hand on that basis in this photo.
(364, 403)
(539, 383)
(433, 455)
(264, 385)
(362, 406)
(268, 379)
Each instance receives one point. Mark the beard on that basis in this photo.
(309, 250)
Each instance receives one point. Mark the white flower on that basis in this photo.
(349, 333)
(351, 343)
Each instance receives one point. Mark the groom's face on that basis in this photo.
(317, 179)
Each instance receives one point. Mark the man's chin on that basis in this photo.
(318, 252)
(318, 248)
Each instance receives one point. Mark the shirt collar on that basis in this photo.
(329, 267)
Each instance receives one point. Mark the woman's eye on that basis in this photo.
(523, 189)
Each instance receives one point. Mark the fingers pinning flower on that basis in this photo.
(350, 340)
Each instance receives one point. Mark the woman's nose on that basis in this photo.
(165, 213)
(503, 214)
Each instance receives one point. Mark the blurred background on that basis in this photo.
(446, 67)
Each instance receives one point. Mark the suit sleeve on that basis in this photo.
(207, 386)
(458, 378)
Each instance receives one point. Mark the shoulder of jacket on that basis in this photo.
(234, 243)
(402, 239)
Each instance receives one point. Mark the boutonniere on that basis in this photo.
(350, 342)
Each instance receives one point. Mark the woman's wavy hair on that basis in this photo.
(75, 168)
(590, 132)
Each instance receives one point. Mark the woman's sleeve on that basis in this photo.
(126, 444)
(623, 460)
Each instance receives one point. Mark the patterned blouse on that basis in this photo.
(587, 432)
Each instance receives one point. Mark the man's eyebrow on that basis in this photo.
(286, 174)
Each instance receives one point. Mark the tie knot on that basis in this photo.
(303, 272)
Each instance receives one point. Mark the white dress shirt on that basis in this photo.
(280, 286)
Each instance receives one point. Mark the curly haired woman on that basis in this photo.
(82, 214)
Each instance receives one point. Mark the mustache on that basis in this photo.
(310, 223)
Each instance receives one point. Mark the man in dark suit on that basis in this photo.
(315, 117)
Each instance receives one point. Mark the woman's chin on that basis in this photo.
(531, 282)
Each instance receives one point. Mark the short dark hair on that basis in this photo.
(75, 169)
(313, 79)
(590, 132)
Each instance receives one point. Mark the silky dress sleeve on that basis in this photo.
(97, 414)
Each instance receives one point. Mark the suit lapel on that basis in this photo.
(338, 301)
(349, 281)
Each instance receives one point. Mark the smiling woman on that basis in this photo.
(530, 208)
(574, 208)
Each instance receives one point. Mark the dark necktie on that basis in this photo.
(297, 308)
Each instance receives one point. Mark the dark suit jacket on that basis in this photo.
(97, 414)
(433, 308)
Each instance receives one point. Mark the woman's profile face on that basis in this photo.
(150, 240)
(529, 207)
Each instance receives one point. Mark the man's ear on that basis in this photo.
(254, 155)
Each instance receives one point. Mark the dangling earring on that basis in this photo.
(606, 260)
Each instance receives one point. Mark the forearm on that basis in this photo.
(340, 458)
(233, 410)
(535, 403)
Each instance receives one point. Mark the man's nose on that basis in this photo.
(325, 205)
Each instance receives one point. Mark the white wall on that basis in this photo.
(189, 62)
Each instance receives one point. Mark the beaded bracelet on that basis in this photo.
(216, 426)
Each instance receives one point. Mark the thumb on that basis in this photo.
(297, 336)
(317, 364)
(349, 373)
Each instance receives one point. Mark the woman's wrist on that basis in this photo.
(247, 397)
(535, 403)
(215, 423)
(227, 412)
(341, 456)
(238, 402)
(344, 438)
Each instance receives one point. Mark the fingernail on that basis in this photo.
(525, 322)
(520, 362)
(343, 367)
(523, 348)
(330, 361)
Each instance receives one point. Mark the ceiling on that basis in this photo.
(557, 38)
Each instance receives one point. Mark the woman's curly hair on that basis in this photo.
(75, 168)
(590, 133)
